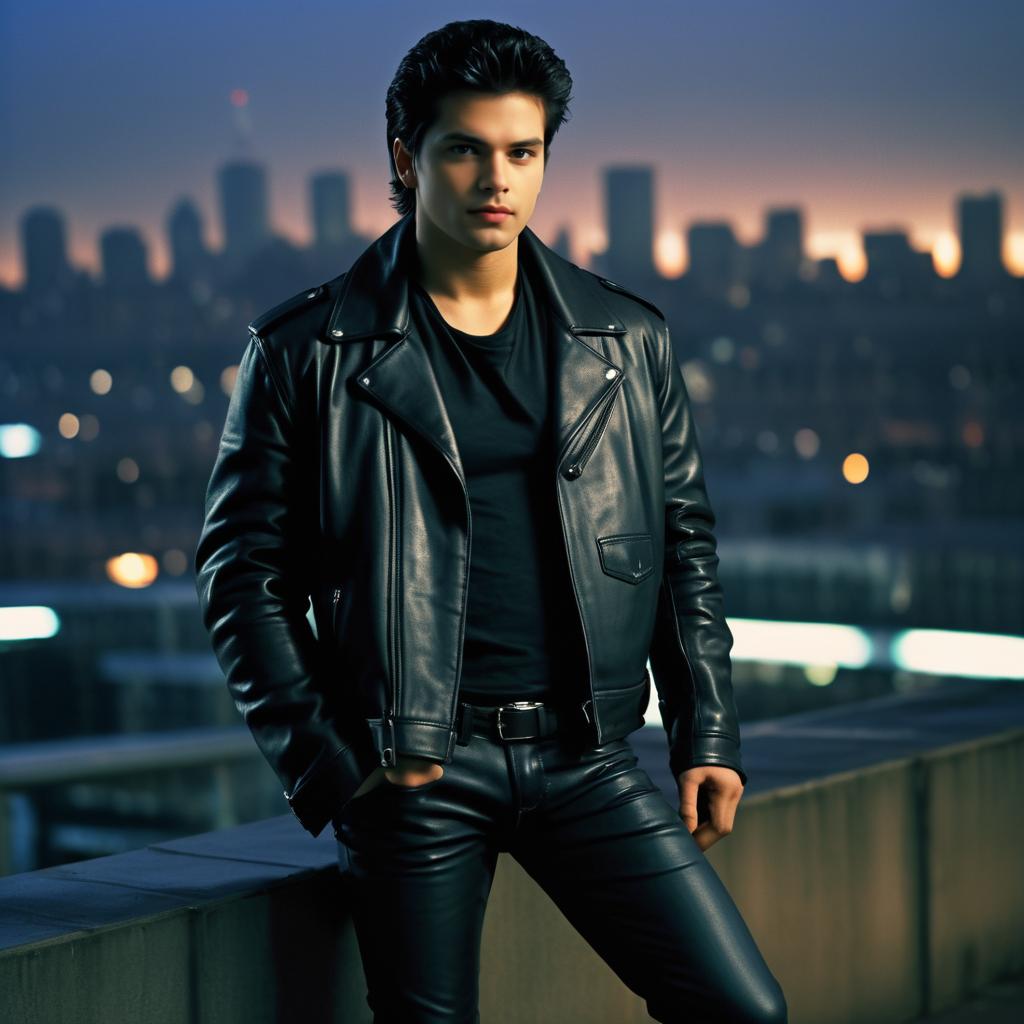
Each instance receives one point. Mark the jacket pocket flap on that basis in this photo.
(627, 556)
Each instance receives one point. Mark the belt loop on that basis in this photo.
(545, 719)
(464, 727)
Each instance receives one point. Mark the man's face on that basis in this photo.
(483, 150)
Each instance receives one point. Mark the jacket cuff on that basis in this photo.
(708, 749)
(319, 798)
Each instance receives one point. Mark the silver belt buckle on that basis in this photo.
(516, 704)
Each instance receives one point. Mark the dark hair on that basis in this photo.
(481, 55)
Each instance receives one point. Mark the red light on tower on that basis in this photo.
(239, 97)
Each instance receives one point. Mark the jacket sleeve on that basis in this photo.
(691, 643)
(252, 578)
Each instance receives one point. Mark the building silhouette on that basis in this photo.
(331, 213)
(780, 255)
(190, 259)
(893, 265)
(44, 250)
(244, 211)
(629, 214)
(561, 243)
(123, 259)
(714, 255)
(980, 227)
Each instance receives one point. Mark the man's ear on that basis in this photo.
(408, 174)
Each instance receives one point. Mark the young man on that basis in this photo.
(479, 461)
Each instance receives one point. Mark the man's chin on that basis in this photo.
(496, 236)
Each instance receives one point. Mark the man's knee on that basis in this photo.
(766, 1007)
(769, 1009)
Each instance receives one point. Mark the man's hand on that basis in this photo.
(723, 788)
(414, 771)
(410, 771)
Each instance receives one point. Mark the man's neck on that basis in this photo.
(473, 291)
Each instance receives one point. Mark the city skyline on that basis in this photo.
(243, 223)
(868, 120)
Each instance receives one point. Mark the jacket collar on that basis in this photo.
(373, 303)
(374, 299)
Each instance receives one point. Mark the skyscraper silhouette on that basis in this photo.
(123, 259)
(781, 251)
(329, 193)
(714, 256)
(980, 224)
(44, 250)
(629, 214)
(190, 259)
(244, 211)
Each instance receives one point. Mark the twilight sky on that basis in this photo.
(867, 114)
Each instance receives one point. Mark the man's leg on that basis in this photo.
(617, 859)
(418, 863)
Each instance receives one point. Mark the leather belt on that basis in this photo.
(520, 720)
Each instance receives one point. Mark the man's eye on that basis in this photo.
(466, 145)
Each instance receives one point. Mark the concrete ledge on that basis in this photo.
(876, 893)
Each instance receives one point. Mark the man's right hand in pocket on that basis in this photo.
(409, 771)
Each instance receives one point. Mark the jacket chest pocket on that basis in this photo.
(627, 556)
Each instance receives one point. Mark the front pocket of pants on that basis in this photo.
(356, 805)
(357, 800)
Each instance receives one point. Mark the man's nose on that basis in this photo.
(494, 177)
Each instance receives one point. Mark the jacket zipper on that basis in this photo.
(590, 442)
(572, 471)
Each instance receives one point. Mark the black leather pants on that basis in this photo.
(596, 834)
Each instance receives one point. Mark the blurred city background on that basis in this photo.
(827, 209)
(861, 423)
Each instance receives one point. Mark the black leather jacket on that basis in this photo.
(338, 480)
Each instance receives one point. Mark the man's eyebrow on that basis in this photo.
(480, 142)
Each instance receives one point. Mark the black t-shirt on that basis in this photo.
(522, 632)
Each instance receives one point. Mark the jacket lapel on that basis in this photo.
(374, 303)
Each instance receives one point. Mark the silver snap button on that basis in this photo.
(366, 380)
(611, 326)
(311, 295)
(337, 333)
(611, 373)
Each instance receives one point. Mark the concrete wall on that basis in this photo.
(875, 895)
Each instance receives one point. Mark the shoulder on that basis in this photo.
(614, 286)
(642, 316)
(287, 334)
(294, 311)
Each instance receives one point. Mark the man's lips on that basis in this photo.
(494, 216)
